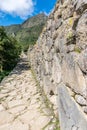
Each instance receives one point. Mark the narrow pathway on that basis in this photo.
(22, 106)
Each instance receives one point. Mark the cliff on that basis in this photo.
(59, 60)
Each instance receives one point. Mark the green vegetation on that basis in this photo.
(70, 38)
(69, 35)
(29, 36)
(9, 53)
(3, 74)
(14, 36)
(77, 49)
(13, 29)
(28, 32)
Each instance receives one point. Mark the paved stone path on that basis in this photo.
(22, 105)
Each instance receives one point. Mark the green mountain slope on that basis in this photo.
(35, 20)
(28, 32)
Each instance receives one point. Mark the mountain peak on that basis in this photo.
(28, 32)
(35, 20)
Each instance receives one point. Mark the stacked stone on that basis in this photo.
(60, 62)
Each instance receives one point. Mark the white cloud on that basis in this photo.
(22, 8)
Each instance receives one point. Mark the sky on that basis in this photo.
(17, 11)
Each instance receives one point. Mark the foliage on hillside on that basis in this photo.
(29, 36)
(9, 53)
(28, 32)
(35, 20)
(13, 29)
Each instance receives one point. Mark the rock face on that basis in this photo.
(60, 57)
(70, 113)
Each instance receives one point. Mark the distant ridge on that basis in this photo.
(28, 32)
(35, 20)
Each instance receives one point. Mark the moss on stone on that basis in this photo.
(77, 49)
(71, 21)
(69, 35)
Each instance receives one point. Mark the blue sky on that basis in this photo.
(15, 12)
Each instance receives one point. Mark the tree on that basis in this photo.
(9, 51)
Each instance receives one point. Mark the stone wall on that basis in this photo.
(59, 60)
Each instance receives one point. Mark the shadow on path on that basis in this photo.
(21, 67)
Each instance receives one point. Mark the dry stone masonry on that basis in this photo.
(59, 60)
